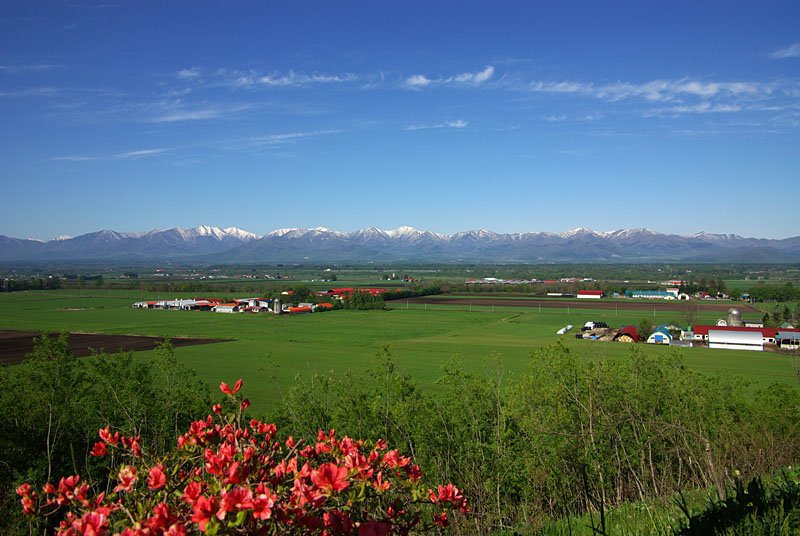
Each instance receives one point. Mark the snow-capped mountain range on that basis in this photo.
(213, 244)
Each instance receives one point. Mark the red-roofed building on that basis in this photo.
(768, 334)
(591, 294)
(627, 334)
(298, 310)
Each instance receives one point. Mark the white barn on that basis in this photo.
(735, 340)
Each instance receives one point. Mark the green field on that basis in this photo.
(270, 351)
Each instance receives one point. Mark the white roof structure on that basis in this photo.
(735, 340)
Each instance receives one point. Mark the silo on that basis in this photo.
(276, 306)
(734, 317)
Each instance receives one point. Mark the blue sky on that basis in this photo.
(446, 116)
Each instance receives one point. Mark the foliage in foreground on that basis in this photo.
(760, 507)
(52, 405)
(574, 435)
(231, 477)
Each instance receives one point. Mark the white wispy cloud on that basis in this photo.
(299, 79)
(31, 67)
(188, 115)
(141, 153)
(282, 138)
(458, 123)
(706, 107)
(792, 51)
(419, 81)
(179, 109)
(654, 90)
(74, 158)
(254, 79)
(31, 92)
(192, 72)
(475, 78)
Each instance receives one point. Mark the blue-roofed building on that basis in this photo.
(660, 336)
(651, 294)
(788, 340)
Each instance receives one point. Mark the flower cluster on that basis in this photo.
(233, 476)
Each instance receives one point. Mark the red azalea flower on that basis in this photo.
(24, 489)
(92, 523)
(236, 499)
(225, 388)
(237, 386)
(192, 492)
(161, 518)
(105, 435)
(99, 449)
(413, 472)
(441, 520)
(127, 478)
(156, 479)
(203, 510)
(330, 477)
(379, 484)
(263, 502)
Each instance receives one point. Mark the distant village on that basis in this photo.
(731, 333)
(282, 305)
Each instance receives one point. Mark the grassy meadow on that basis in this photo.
(270, 351)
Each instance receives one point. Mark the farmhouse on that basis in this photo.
(590, 294)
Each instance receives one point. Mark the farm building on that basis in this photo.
(660, 336)
(788, 340)
(590, 294)
(627, 334)
(226, 308)
(651, 294)
(735, 340)
(298, 310)
(767, 334)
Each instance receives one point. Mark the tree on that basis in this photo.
(645, 328)
(53, 403)
(301, 293)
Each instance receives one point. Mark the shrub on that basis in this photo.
(233, 476)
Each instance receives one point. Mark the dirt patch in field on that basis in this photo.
(678, 306)
(14, 345)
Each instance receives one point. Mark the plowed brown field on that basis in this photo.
(14, 345)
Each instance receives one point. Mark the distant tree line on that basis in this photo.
(31, 283)
(413, 292)
(775, 293)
